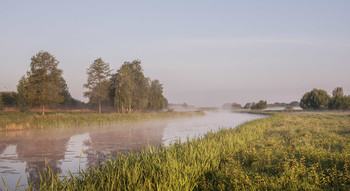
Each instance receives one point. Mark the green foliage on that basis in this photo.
(156, 98)
(45, 81)
(262, 104)
(97, 82)
(22, 94)
(298, 151)
(339, 101)
(132, 91)
(141, 86)
(122, 88)
(9, 99)
(315, 99)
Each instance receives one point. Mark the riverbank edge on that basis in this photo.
(246, 157)
(17, 121)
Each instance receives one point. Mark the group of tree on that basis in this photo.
(318, 99)
(128, 90)
(43, 86)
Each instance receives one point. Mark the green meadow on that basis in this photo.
(286, 151)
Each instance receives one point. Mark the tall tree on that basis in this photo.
(141, 86)
(156, 99)
(44, 81)
(124, 87)
(315, 99)
(113, 85)
(97, 82)
(22, 94)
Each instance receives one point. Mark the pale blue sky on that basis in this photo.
(205, 53)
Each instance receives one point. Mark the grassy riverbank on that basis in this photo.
(309, 151)
(17, 120)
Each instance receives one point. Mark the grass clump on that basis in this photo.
(18, 120)
(287, 151)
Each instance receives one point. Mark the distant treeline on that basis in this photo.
(236, 105)
(127, 90)
(262, 104)
(316, 99)
(278, 104)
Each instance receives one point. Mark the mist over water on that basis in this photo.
(197, 127)
(23, 153)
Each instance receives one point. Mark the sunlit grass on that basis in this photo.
(307, 151)
(17, 120)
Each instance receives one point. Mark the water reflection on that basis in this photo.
(10, 168)
(31, 150)
(24, 153)
(39, 150)
(75, 159)
(127, 138)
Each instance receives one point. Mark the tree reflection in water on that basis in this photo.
(125, 139)
(53, 147)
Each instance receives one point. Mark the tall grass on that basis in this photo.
(296, 151)
(17, 120)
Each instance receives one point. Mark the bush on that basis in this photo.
(317, 99)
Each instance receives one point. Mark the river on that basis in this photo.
(23, 153)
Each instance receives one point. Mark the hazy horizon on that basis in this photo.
(205, 53)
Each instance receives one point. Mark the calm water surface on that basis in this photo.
(23, 153)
